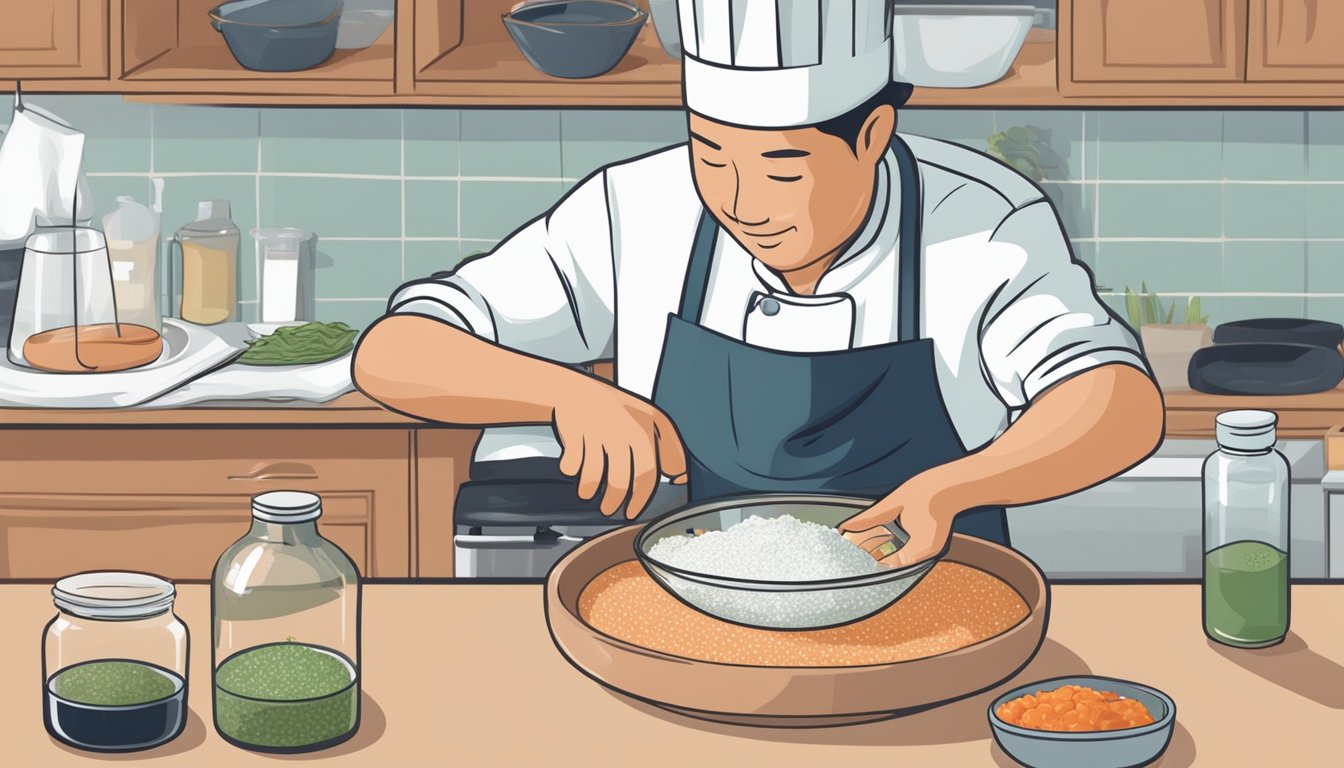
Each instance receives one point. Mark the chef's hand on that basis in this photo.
(609, 434)
(922, 511)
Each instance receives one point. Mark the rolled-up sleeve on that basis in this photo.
(1045, 324)
(547, 290)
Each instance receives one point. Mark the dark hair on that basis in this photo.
(847, 126)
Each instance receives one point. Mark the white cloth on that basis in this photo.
(1009, 312)
(188, 351)
(41, 169)
(315, 383)
(782, 63)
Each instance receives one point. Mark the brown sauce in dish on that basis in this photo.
(954, 606)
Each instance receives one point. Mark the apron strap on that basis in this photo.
(697, 275)
(912, 215)
(911, 241)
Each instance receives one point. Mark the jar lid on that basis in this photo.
(286, 507)
(113, 595)
(1246, 430)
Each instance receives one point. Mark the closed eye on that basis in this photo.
(713, 165)
(785, 178)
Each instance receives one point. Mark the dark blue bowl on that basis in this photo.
(578, 39)
(279, 35)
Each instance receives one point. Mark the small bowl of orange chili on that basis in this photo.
(1099, 722)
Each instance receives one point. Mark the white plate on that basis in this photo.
(188, 351)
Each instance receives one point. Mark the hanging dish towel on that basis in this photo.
(188, 351)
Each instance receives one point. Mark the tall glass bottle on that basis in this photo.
(285, 607)
(1246, 491)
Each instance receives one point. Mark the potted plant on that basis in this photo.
(1168, 345)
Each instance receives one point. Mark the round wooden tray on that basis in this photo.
(792, 696)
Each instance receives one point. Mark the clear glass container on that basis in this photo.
(285, 606)
(65, 313)
(1246, 571)
(114, 663)
(208, 267)
(287, 257)
(132, 232)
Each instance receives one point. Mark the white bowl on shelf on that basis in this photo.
(957, 46)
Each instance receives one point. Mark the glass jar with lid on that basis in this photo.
(114, 663)
(1246, 507)
(285, 607)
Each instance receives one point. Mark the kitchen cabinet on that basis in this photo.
(170, 501)
(1150, 47)
(60, 39)
(461, 49)
(1296, 41)
(169, 47)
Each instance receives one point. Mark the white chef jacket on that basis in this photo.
(1008, 310)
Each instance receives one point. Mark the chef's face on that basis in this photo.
(790, 197)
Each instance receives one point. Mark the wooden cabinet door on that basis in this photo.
(170, 501)
(53, 39)
(1150, 47)
(1296, 40)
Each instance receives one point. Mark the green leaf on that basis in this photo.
(1171, 313)
(1151, 310)
(1133, 309)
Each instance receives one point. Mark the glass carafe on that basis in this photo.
(65, 314)
(209, 265)
(285, 604)
(1246, 568)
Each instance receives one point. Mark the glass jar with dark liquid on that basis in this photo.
(114, 663)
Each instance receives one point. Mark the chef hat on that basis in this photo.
(783, 63)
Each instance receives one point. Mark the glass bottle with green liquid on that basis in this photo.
(1246, 491)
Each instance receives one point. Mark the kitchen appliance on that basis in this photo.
(208, 265)
(287, 256)
(791, 696)
(1147, 523)
(955, 45)
(518, 514)
(279, 35)
(575, 38)
(132, 232)
(777, 604)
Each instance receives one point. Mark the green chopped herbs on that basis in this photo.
(113, 684)
(301, 344)
(285, 696)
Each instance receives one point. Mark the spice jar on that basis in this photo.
(1246, 497)
(286, 632)
(114, 663)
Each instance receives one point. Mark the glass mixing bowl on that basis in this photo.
(777, 604)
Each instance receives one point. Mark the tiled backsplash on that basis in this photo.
(1244, 209)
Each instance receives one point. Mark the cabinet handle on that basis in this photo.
(281, 470)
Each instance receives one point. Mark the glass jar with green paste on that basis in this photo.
(285, 608)
(114, 663)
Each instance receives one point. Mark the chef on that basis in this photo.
(797, 300)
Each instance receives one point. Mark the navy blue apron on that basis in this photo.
(853, 422)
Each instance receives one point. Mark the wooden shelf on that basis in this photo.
(472, 59)
(170, 47)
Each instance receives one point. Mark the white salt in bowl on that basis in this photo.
(795, 605)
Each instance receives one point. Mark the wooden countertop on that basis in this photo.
(466, 675)
(1189, 414)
